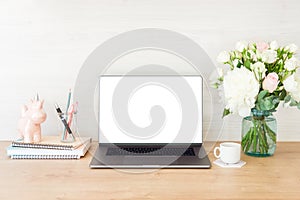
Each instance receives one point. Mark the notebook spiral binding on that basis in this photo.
(42, 146)
(45, 157)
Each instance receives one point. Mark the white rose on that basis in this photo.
(253, 55)
(251, 45)
(258, 55)
(291, 64)
(223, 57)
(292, 85)
(240, 91)
(269, 56)
(241, 45)
(235, 62)
(274, 45)
(259, 69)
(292, 48)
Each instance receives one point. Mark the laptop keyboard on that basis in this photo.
(150, 151)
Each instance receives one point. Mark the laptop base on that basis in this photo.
(101, 160)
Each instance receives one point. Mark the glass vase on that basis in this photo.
(259, 134)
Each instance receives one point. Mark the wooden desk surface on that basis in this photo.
(276, 177)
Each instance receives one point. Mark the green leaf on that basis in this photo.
(248, 54)
(261, 95)
(247, 64)
(239, 65)
(293, 103)
(261, 105)
(279, 53)
(269, 103)
(226, 112)
(287, 98)
(298, 106)
(275, 99)
(282, 95)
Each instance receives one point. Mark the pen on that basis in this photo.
(60, 114)
(68, 104)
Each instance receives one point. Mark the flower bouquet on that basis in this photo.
(257, 78)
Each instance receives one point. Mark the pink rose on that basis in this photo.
(270, 82)
(261, 46)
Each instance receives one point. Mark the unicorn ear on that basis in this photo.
(40, 104)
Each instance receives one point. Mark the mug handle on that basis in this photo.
(215, 152)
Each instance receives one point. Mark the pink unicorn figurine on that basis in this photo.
(31, 117)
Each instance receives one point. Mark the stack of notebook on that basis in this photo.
(49, 148)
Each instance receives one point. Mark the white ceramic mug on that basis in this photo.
(229, 152)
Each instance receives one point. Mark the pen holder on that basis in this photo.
(70, 132)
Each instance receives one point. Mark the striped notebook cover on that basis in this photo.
(52, 142)
(28, 153)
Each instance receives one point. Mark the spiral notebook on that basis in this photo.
(39, 153)
(52, 142)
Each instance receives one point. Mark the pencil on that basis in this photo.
(68, 102)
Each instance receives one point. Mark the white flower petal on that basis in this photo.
(223, 57)
(291, 64)
(269, 56)
(290, 84)
(244, 111)
(241, 45)
(292, 48)
(274, 45)
(235, 62)
(259, 69)
(240, 90)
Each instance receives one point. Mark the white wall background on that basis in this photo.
(44, 43)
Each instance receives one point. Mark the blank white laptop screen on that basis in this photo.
(148, 109)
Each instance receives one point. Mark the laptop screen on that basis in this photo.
(150, 109)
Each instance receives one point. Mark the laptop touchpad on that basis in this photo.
(149, 160)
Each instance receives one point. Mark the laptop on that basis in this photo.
(150, 121)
